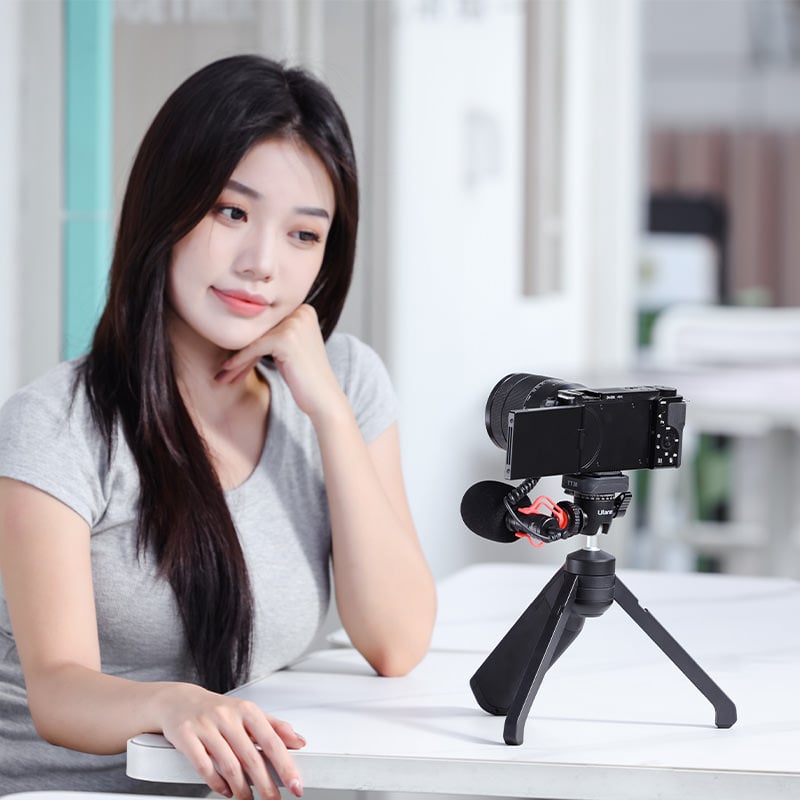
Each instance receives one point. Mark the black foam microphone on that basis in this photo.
(484, 512)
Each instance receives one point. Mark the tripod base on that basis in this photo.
(508, 680)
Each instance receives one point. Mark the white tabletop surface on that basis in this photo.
(57, 794)
(613, 718)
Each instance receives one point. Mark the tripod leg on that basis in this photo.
(725, 710)
(540, 661)
(496, 681)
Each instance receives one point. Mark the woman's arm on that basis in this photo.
(45, 565)
(384, 589)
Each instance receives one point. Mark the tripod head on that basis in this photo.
(601, 497)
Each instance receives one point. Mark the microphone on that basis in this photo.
(484, 512)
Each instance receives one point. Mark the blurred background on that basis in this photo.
(606, 191)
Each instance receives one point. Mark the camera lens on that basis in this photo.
(516, 391)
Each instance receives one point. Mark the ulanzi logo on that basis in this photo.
(604, 511)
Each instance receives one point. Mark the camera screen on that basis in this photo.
(544, 441)
(610, 435)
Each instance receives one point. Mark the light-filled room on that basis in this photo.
(399, 397)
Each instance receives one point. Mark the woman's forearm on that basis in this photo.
(384, 589)
(83, 709)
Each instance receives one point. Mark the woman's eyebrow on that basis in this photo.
(312, 211)
(244, 189)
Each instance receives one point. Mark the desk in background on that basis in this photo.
(759, 409)
(614, 719)
(739, 368)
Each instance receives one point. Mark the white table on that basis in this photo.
(614, 719)
(55, 794)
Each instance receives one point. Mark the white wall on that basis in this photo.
(41, 188)
(10, 20)
(31, 171)
(713, 62)
(457, 320)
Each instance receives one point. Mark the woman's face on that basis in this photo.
(252, 259)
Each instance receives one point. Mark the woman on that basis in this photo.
(169, 503)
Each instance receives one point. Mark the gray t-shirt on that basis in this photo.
(49, 440)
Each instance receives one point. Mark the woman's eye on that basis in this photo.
(233, 213)
(307, 236)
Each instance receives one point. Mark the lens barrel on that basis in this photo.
(514, 392)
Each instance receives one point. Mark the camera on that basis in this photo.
(552, 427)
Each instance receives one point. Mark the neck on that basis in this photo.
(197, 363)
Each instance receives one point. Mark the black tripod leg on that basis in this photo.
(540, 660)
(725, 710)
(496, 681)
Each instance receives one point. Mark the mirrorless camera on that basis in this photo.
(551, 427)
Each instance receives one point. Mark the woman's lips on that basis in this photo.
(243, 303)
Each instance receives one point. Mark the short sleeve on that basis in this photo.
(365, 380)
(48, 440)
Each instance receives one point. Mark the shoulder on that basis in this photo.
(48, 439)
(54, 395)
(365, 380)
(350, 356)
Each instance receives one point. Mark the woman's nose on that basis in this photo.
(259, 259)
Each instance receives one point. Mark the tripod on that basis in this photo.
(506, 683)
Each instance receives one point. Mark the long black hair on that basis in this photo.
(185, 159)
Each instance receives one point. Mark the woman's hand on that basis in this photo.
(229, 741)
(298, 349)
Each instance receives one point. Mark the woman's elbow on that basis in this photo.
(45, 722)
(403, 651)
(394, 662)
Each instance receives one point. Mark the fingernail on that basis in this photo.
(296, 787)
(301, 738)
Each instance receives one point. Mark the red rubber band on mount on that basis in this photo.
(531, 540)
(551, 506)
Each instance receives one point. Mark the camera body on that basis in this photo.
(550, 427)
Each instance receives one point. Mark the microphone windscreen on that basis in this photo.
(484, 512)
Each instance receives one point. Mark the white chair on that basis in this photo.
(718, 336)
(739, 370)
